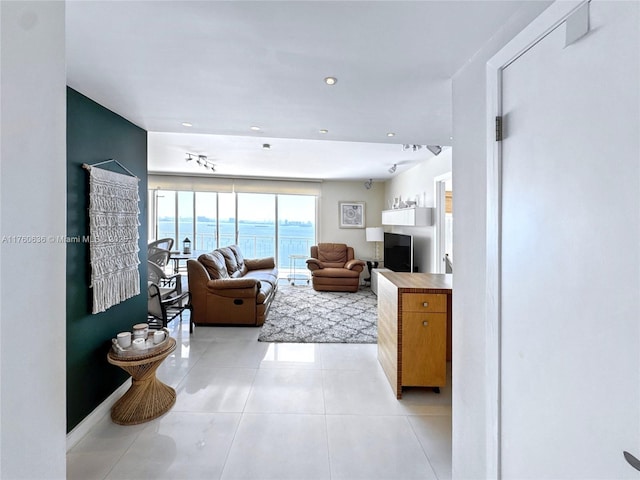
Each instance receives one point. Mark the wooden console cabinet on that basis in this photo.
(414, 328)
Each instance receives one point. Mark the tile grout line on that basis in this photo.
(421, 446)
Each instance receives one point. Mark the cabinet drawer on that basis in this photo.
(424, 302)
(424, 349)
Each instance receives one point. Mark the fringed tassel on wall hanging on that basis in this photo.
(113, 228)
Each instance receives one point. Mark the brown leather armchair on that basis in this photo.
(334, 268)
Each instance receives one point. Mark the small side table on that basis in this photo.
(148, 397)
(177, 257)
(293, 276)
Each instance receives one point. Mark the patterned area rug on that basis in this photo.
(302, 315)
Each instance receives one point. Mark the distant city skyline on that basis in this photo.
(251, 206)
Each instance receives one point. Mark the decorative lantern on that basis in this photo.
(186, 246)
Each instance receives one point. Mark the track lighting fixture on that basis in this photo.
(392, 169)
(408, 146)
(201, 160)
(368, 184)
(435, 149)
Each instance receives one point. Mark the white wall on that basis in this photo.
(417, 184)
(328, 226)
(33, 208)
(470, 429)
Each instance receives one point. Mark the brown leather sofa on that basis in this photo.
(227, 289)
(334, 268)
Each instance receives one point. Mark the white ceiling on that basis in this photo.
(227, 66)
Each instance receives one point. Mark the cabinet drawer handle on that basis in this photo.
(425, 323)
(425, 304)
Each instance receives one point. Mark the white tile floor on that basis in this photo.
(252, 410)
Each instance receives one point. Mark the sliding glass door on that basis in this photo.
(227, 219)
(165, 216)
(296, 227)
(206, 207)
(257, 225)
(263, 225)
(186, 224)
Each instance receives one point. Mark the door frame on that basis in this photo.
(544, 24)
(440, 215)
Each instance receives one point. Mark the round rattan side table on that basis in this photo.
(148, 397)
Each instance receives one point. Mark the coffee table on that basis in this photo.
(148, 397)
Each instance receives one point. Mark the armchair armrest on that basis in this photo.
(314, 264)
(357, 265)
(259, 263)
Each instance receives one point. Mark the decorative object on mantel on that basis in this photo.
(113, 228)
(399, 203)
(351, 214)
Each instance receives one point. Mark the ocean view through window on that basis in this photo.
(266, 225)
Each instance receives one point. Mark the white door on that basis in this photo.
(570, 262)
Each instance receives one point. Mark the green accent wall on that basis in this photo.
(95, 134)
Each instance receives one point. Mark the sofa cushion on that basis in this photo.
(265, 276)
(260, 263)
(230, 260)
(336, 273)
(215, 265)
(234, 260)
(239, 257)
(332, 254)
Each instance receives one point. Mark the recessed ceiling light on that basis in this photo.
(324, 130)
(331, 80)
(391, 134)
(187, 124)
(255, 129)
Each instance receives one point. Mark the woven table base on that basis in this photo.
(148, 397)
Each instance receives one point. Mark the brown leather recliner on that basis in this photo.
(334, 268)
(227, 289)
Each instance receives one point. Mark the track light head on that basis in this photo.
(408, 146)
(201, 160)
(392, 169)
(435, 149)
(368, 184)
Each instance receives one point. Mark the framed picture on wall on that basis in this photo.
(351, 214)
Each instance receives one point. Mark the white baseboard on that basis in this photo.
(80, 430)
